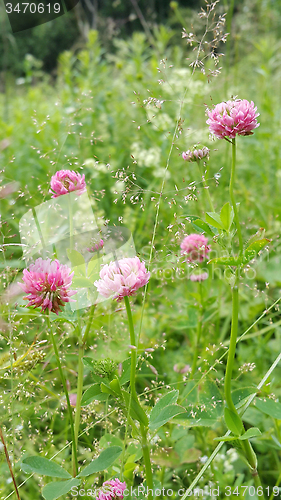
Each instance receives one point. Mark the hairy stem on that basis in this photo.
(74, 452)
(9, 464)
(147, 462)
(143, 429)
(133, 349)
(232, 198)
(198, 333)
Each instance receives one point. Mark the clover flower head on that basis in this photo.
(96, 247)
(195, 247)
(47, 285)
(122, 278)
(236, 116)
(112, 489)
(196, 154)
(67, 181)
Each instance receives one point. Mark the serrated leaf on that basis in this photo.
(169, 399)
(269, 407)
(76, 258)
(214, 219)
(233, 422)
(165, 415)
(45, 467)
(227, 216)
(105, 460)
(52, 491)
(250, 433)
(93, 393)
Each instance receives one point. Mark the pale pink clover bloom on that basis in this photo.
(199, 277)
(237, 116)
(195, 247)
(122, 278)
(112, 489)
(67, 181)
(196, 154)
(47, 284)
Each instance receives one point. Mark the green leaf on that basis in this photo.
(269, 407)
(214, 219)
(252, 250)
(55, 490)
(200, 225)
(257, 236)
(110, 440)
(93, 393)
(45, 467)
(240, 395)
(165, 415)
(115, 386)
(136, 410)
(227, 216)
(233, 422)
(89, 363)
(226, 261)
(204, 405)
(81, 283)
(126, 371)
(105, 460)
(169, 399)
(75, 257)
(250, 433)
(107, 390)
(226, 438)
(93, 267)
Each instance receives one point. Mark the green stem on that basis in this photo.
(198, 334)
(75, 468)
(147, 462)
(70, 221)
(133, 349)
(232, 348)
(246, 446)
(78, 394)
(144, 442)
(88, 327)
(231, 186)
(206, 187)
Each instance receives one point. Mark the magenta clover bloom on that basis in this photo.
(237, 116)
(195, 247)
(196, 154)
(111, 489)
(66, 181)
(47, 284)
(122, 278)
